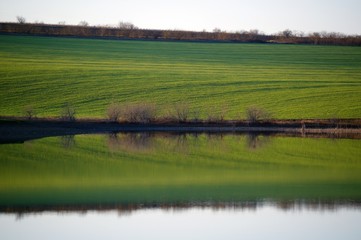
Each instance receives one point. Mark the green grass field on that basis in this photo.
(290, 81)
(172, 169)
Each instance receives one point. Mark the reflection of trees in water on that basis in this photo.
(177, 142)
(180, 143)
(127, 209)
(132, 142)
(67, 141)
(214, 137)
(146, 141)
(256, 141)
(316, 205)
(217, 142)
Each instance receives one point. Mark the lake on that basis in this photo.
(181, 186)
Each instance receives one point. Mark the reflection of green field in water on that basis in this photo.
(170, 169)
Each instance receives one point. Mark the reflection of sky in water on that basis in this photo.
(264, 223)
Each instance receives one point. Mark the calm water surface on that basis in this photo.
(189, 186)
(265, 223)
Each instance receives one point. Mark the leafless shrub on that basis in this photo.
(196, 113)
(148, 112)
(215, 115)
(29, 112)
(255, 114)
(68, 113)
(223, 112)
(130, 113)
(181, 112)
(212, 116)
(114, 112)
(139, 112)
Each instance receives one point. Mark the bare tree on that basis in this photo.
(216, 114)
(68, 113)
(126, 25)
(114, 112)
(196, 115)
(148, 112)
(223, 112)
(315, 37)
(254, 32)
(29, 112)
(21, 19)
(181, 112)
(83, 23)
(286, 33)
(130, 113)
(217, 30)
(254, 114)
(139, 112)
(212, 116)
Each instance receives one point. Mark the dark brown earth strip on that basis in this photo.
(18, 130)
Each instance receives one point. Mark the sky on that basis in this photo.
(268, 16)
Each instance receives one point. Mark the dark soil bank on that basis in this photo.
(19, 130)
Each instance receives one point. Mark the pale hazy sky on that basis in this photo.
(232, 15)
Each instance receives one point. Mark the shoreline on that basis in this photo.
(122, 208)
(19, 130)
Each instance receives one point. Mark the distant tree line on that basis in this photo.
(126, 30)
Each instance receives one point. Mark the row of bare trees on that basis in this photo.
(127, 30)
(67, 113)
(181, 112)
(147, 112)
(143, 112)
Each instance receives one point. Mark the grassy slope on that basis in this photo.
(291, 81)
(101, 170)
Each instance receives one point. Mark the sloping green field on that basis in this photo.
(290, 81)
